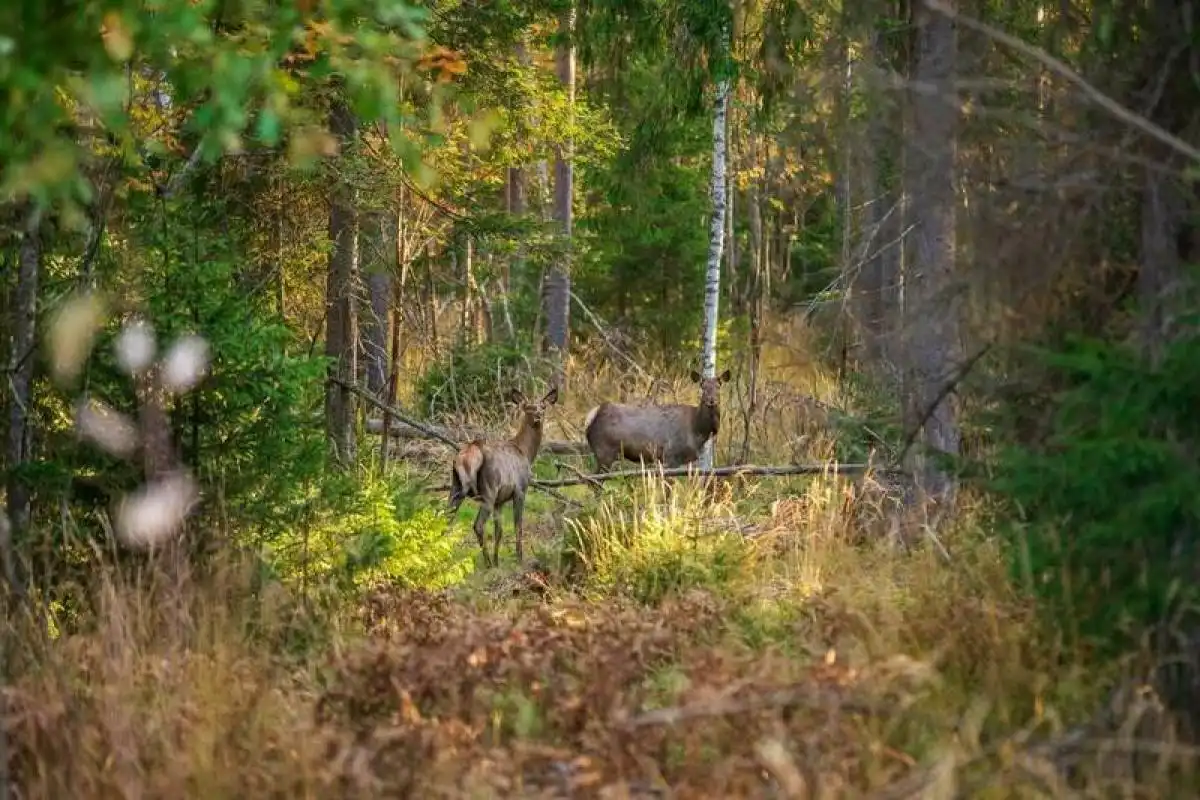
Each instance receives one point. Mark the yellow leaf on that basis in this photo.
(479, 129)
(72, 333)
(310, 142)
(117, 38)
(424, 176)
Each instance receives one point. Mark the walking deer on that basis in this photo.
(672, 434)
(498, 473)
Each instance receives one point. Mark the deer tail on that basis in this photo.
(464, 475)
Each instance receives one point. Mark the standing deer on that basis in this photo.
(672, 434)
(496, 473)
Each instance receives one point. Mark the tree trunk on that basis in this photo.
(736, 301)
(932, 299)
(20, 370)
(341, 339)
(515, 205)
(716, 230)
(558, 281)
(878, 275)
(396, 227)
(1167, 237)
(378, 250)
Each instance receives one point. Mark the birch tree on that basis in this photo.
(712, 280)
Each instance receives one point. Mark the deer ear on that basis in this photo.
(695, 376)
(517, 396)
(551, 396)
(725, 376)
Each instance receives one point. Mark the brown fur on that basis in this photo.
(671, 434)
(497, 473)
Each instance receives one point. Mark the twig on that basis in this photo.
(810, 696)
(1062, 70)
(963, 370)
(717, 472)
(561, 465)
(599, 324)
(172, 185)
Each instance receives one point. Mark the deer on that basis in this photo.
(498, 473)
(671, 434)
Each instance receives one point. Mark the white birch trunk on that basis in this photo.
(712, 282)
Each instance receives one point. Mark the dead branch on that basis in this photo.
(717, 472)
(561, 465)
(806, 696)
(396, 413)
(1056, 66)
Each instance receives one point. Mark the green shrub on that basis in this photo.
(1109, 503)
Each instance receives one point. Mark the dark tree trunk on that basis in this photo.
(341, 337)
(931, 296)
(558, 280)
(20, 397)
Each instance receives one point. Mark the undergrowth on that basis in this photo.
(746, 638)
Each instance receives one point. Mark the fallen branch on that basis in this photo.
(1131, 118)
(807, 696)
(396, 413)
(717, 472)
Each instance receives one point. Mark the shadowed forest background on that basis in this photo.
(267, 265)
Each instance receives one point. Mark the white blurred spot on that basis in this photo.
(135, 346)
(106, 427)
(72, 334)
(185, 364)
(156, 511)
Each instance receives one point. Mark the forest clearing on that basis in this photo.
(605, 399)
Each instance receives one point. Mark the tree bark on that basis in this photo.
(558, 280)
(400, 252)
(932, 351)
(378, 252)
(21, 368)
(1168, 241)
(341, 339)
(878, 276)
(712, 282)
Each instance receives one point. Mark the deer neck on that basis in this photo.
(528, 440)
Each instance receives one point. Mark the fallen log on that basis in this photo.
(717, 472)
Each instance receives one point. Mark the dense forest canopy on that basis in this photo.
(893, 303)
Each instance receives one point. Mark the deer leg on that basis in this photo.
(485, 511)
(518, 504)
(496, 541)
(497, 533)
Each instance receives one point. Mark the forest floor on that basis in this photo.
(767, 638)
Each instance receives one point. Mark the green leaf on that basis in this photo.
(268, 129)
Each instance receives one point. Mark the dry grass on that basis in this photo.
(763, 639)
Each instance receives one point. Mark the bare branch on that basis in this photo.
(396, 413)
(1063, 71)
